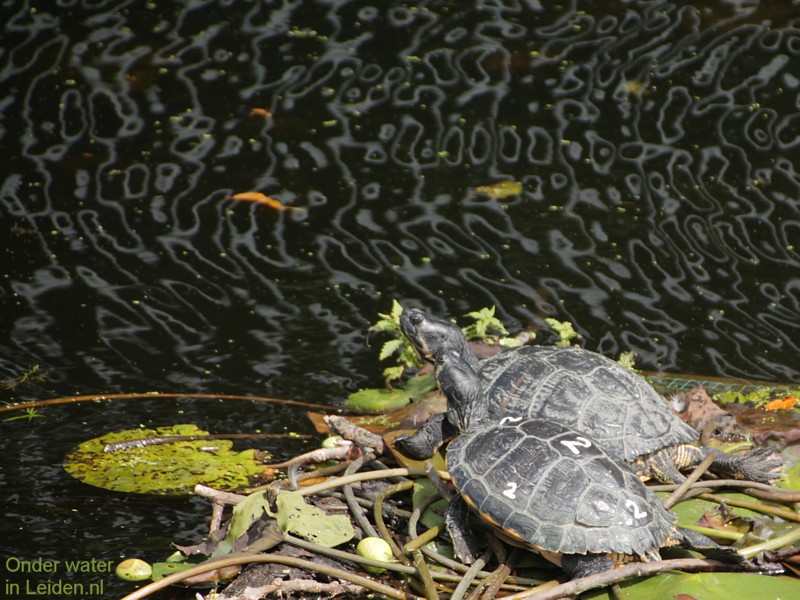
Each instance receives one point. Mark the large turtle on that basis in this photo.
(544, 485)
(585, 391)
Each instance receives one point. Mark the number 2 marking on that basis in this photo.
(637, 512)
(578, 442)
(509, 493)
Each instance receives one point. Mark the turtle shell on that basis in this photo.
(586, 391)
(552, 488)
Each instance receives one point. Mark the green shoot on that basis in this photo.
(566, 332)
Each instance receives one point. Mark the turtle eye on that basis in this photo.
(416, 318)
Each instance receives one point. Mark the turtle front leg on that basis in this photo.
(423, 444)
(456, 517)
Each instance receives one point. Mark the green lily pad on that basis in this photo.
(382, 399)
(377, 399)
(171, 468)
(709, 586)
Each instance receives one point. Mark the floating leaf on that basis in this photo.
(708, 586)
(500, 190)
(781, 403)
(260, 112)
(372, 399)
(295, 516)
(259, 198)
(381, 399)
(173, 468)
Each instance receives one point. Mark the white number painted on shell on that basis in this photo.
(578, 442)
(511, 491)
(505, 420)
(634, 508)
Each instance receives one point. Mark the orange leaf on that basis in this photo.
(259, 198)
(260, 112)
(781, 403)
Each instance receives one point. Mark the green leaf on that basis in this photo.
(170, 468)
(484, 321)
(373, 399)
(709, 586)
(247, 512)
(564, 329)
(310, 523)
(162, 569)
(390, 348)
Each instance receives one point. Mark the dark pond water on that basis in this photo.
(658, 144)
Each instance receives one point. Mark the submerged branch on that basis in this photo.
(139, 396)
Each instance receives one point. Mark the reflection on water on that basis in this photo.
(657, 144)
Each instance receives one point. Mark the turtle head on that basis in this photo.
(463, 390)
(433, 337)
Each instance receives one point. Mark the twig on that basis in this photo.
(492, 584)
(787, 539)
(338, 452)
(279, 587)
(335, 482)
(675, 496)
(716, 533)
(174, 439)
(217, 495)
(300, 563)
(137, 396)
(783, 513)
(425, 575)
(751, 487)
(366, 440)
(390, 566)
(470, 575)
(380, 525)
(352, 503)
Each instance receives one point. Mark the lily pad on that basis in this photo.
(709, 586)
(171, 468)
(372, 399)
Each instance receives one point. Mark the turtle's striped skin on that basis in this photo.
(549, 487)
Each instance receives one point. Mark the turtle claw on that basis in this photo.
(762, 465)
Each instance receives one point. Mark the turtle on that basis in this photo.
(584, 390)
(544, 485)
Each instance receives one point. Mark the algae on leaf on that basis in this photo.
(171, 468)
